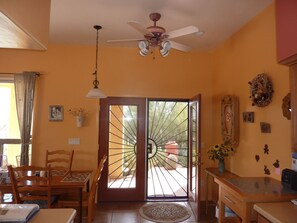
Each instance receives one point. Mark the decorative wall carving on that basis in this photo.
(230, 120)
(286, 106)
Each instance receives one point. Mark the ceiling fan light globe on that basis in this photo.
(143, 52)
(142, 45)
(164, 52)
(166, 45)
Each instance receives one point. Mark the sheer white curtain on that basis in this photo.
(24, 93)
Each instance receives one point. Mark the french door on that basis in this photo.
(122, 138)
(195, 155)
(149, 147)
(167, 149)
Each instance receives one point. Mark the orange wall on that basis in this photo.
(249, 52)
(66, 76)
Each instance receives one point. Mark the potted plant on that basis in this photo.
(219, 152)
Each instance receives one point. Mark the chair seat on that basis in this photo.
(42, 203)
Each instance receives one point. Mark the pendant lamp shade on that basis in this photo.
(95, 92)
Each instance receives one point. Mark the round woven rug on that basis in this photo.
(164, 212)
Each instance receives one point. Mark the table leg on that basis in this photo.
(206, 193)
(80, 204)
(221, 211)
(247, 213)
(88, 186)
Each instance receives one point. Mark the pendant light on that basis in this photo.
(95, 92)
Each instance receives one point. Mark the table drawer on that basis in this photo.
(232, 202)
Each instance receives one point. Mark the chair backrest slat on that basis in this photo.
(28, 185)
(59, 159)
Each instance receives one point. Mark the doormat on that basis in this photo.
(165, 212)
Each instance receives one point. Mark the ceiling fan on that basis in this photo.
(156, 37)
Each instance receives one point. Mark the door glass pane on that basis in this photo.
(122, 146)
(167, 149)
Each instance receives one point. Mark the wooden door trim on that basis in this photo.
(196, 207)
(134, 194)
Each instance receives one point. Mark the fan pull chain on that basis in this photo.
(153, 52)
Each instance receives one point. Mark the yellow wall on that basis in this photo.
(249, 52)
(66, 76)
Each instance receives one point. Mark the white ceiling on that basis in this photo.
(72, 21)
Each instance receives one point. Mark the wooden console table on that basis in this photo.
(241, 193)
(214, 173)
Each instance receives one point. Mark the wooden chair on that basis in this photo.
(88, 197)
(60, 161)
(29, 187)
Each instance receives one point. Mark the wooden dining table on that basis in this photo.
(70, 182)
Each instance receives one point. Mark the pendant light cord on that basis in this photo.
(95, 92)
(96, 82)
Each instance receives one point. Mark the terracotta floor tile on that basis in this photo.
(128, 212)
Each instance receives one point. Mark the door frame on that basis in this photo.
(177, 100)
(123, 194)
(139, 193)
(194, 198)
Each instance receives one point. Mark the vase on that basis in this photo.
(79, 121)
(221, 165)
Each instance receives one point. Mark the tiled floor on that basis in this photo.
(128, 212)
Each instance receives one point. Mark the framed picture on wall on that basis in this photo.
(265, 127)
(248, 117)
(230, 120)
(56, 113)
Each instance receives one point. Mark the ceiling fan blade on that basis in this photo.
(123, 40)
(179, 46)
(139, 27)
(182, 32)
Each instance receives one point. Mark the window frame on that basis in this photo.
(9, 78)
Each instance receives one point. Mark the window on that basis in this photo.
(9, 127)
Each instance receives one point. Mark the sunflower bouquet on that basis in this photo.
(220, 151)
